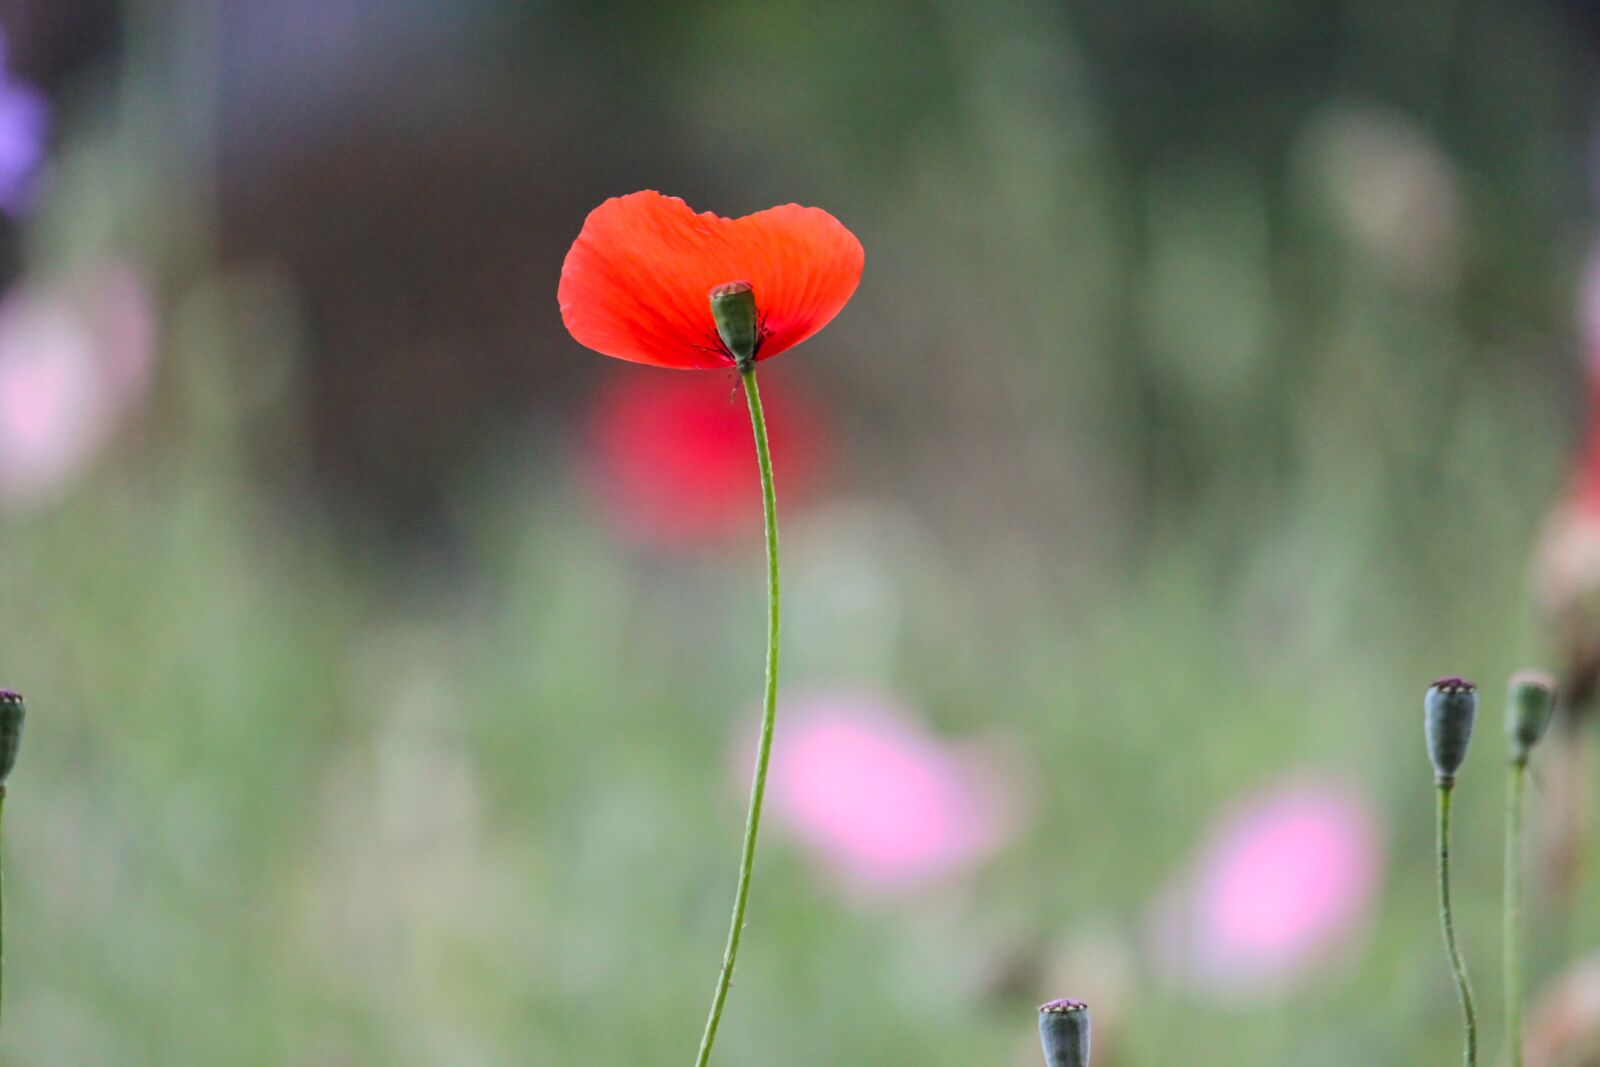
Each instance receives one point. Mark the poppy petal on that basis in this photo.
(635, 283)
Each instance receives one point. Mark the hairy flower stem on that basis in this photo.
(1447, 919)
(769, 707)
(1516, 783)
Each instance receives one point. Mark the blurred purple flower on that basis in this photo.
(24, 126)
(73, 362)
(1284, 881)
(884, 804)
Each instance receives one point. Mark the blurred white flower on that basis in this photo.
(1391, 188)
(1566, 573)
(1564, 1020)
(1589, 311)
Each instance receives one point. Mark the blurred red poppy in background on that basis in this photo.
(1567, 564)
(1566, 586)
(635, 282)
(668, 460)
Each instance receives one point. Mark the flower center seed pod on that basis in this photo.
(733, 309)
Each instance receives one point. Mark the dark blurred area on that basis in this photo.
(416, 173)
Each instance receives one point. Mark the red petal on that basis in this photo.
(635, 283)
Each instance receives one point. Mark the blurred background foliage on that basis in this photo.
(1214, 368)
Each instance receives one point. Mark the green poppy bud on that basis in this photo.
(733, 309)
(1064, 1029)
(1449, 709)
(11, 715)
(1529, 706)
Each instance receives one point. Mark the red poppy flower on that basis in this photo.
(635, 284)
(667, 460)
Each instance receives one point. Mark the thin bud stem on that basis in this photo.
(1516, 782)
(1447, 920)
(2, 899)
(12, 714)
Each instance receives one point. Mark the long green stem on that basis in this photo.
(2, 899)
(1446, 917)
(758, 788)
(1516, 782)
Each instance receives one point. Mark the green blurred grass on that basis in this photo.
(279, 808)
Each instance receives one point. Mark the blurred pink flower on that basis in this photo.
(1284, 881)
(667, 458)
(73, 362)
(882, 803)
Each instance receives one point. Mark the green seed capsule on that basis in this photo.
(733, 309)
(1064, 1029)
(1449, 710)
(1529, 706)
(12, 713)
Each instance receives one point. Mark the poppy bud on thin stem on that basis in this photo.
(1529, 706)
(12, 713)
(1064, 1030)
(1449, 708)
(733, 309)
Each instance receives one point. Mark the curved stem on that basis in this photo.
(769, 706)
(1515, 789)
(1463, 984)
